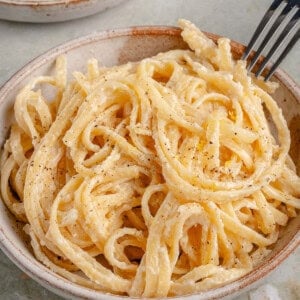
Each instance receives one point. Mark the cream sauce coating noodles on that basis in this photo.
(156, 178)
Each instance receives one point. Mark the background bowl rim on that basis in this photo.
(34, 3)
(59, 283)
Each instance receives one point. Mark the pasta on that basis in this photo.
(156, 178)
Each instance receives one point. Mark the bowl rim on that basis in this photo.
(35, 3)
(59, 284)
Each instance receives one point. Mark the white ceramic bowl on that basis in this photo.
(45, 11)
(116, 47)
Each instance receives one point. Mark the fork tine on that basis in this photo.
(281, 39)
(275, 4)
(290, 45)
(271, 32)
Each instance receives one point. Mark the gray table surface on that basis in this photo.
(236, 19)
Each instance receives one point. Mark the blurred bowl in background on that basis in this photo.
(47, 11)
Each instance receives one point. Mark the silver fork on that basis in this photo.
(288, 10)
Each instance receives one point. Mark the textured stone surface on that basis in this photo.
(19, 43)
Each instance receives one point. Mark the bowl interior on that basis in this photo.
(117, 47)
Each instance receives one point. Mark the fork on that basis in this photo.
(288, 10)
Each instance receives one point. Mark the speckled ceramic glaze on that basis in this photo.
(44, 11)
(116, 47)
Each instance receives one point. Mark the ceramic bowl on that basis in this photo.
(117, 47)
(45, 11)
